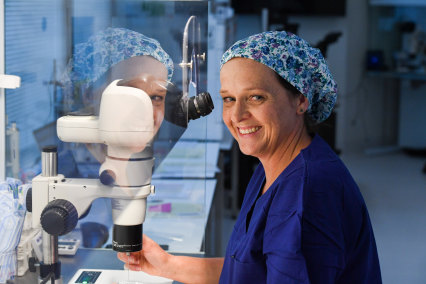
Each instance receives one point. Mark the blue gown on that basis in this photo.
(310, 226)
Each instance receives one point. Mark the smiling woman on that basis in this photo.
(303, 219)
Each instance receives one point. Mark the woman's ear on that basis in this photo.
(303, 104)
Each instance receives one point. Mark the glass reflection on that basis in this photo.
(136, 60)
(62, 73)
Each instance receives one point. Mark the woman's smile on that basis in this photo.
(248, 130)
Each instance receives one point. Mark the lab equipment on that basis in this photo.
(126, 125)
(10, 81)
(6, 82)
(113, 276)
(189, 104)
(37, 245)
(25, 247)
(68, 246)
(12, 150)
(12, 210)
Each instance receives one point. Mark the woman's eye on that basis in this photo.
(156, 98)
(227, 99)
(256, 98)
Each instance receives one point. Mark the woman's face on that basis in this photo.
(149, 75)
(257, 109)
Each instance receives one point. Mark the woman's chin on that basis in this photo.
(248, 150)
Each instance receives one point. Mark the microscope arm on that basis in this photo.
(81, 193)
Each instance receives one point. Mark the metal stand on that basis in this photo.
(50, 263)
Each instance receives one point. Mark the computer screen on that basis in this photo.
(292, 7)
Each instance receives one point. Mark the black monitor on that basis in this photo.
(292, 7)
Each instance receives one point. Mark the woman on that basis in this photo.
(303, 219)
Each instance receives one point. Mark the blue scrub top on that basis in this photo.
(310, 226)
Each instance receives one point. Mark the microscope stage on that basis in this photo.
(98, 276)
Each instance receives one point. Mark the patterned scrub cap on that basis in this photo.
(297, 62)
(105, 49)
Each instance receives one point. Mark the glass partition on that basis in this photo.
(87, 61)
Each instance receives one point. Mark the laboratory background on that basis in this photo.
(195, 173)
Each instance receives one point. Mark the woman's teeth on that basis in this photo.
(249, 130)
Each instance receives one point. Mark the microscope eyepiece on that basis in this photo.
(180, 110)
(200, 105)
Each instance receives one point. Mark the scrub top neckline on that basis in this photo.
(289, 167)
(259, 196)
(258, 199)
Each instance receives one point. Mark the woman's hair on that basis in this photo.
(310, 124)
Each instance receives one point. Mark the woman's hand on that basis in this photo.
(152, 259)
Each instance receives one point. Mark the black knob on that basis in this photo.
(29, 200)
(59, 217)
(107, 177)
(32, 262)
(50, 149)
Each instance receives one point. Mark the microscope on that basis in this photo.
(126, 126)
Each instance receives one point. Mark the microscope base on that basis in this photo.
(99, 276)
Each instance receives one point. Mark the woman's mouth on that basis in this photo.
(249, 130)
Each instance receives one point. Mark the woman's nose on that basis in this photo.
(239, 112)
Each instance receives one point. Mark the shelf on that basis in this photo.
(398, 75)
(398, 2)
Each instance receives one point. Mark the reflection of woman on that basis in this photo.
(303, 219)
(118, 53)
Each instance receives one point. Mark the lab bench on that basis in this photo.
(84, 258)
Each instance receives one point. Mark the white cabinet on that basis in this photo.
(412, 115)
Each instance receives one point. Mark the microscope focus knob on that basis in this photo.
(59, 217)
(29, 200)
(107, 177)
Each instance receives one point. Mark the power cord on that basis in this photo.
(50, 276)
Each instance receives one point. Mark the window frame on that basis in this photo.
(2, 98)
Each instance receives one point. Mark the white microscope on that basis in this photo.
(126, 125)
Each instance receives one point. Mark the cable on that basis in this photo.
(50, 276)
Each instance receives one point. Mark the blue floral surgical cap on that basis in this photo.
(93, 58)
(297, 62)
